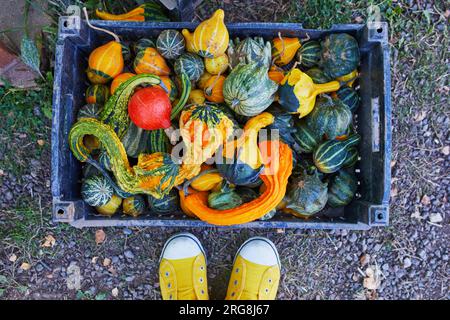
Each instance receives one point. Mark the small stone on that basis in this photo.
(435, 218)
(129, 278)
(129, 254)
(377, 247)
(9, 196)
(385, 267)
(115, 292)
(364, 259)
(39, 267)
(127, 231)
(407, 263)
(353, 238)
(422, 254)
(115, 259)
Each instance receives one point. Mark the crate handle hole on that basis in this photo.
(60, 212)
(380, 216)
(66, 24)
(380, 30)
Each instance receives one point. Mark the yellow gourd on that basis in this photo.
(196, 97)
(211, 37)
(284, 50)
(352, 75)
(217, 65)
(106, 61)
(189, 39)
(111, 206)
(201, 83)
(150, 61)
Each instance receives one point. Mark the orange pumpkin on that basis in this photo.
(214, 89)
(121, 78)
(150, 61)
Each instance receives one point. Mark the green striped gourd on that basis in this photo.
(305, 137)
(96, 191)
(223, 200)
(134, 206)
(349, 97)
(342, 188)
(170, 203)
(309, 54)
(89, 171)
(103, 159)
(170, 44)
(158, 141)
(115, 112)
(97, 93)
(330, 155)
(142, 44)
(135, 140)
(250, 50)
(318, 75)
(90, 110)
(339, 55)
(352, 158)
(247, 90)
(191, 64)
(330, 117)
(126, 53)
(307, 195)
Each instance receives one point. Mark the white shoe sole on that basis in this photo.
(272, 245)
(180, 235)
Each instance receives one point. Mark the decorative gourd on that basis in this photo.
(318, 75)
(352, 76)
(134, 206)
(214, 89)
(223, 200)
(185, 88)
(342, 188)
(183, 207)
(154, 174)
(115, 112)
(284, 49)
(171, 87)
(111, 207)
(305, 137)
(339, 55)
(197, 124)
(196, 97)
(241, 162)
(191, 64)
(248, 90)
(298, 92)
(103, 159)
(269, 215)
(126, 53)
(307, 195)
(309, 54)
(217, 65)
(352, 158)
(246, 194)
(170, 43)
(284, 123)
(135, 140)
(201, 83)
(150, 108)
(149, 11)
(142, 44)
(97, 93)
(211, 36)
(330, 155)
(189, 40)
(206, 180)
(330, 117)
(90, 110)
(170, 203)
(349, 97)
(121, 78)
(276, 74)
(158, 141)
(96, 191)
(89, 171)
(278, 167)
(150, 61)
(104, 62)
(250, 50)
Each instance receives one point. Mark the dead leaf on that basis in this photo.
(25, 266)
(115, 292)
(41, 142)
(94, 260)
(447, 13)
(416, 214)
(12, 258)
(425, 200)
(446, 150)
(280, 230)
(2, 172)
(393, 163)
(364, 259)
(420, 116)
(100, 236)
(22, 135)
(106, 262)
(112, 271)
(49, 241)
(359, 19)
(436, 218)
(372, 280)
(394, 192)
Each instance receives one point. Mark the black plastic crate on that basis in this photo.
(373, 119)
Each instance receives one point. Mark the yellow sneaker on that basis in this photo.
(256, 271)
(182, 269)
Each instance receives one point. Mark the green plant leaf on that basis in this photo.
(100, 296)
(3, 279)
(30, 54)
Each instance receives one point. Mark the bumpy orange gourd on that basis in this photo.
(210, 39)
(284, 50)
(277, 170)
(214, 89)
(150, 61)
(121, 78)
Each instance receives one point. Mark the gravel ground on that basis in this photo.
(407, 260)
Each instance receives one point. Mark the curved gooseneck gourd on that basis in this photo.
(150, 11)
(275, 177)
(155, 174)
